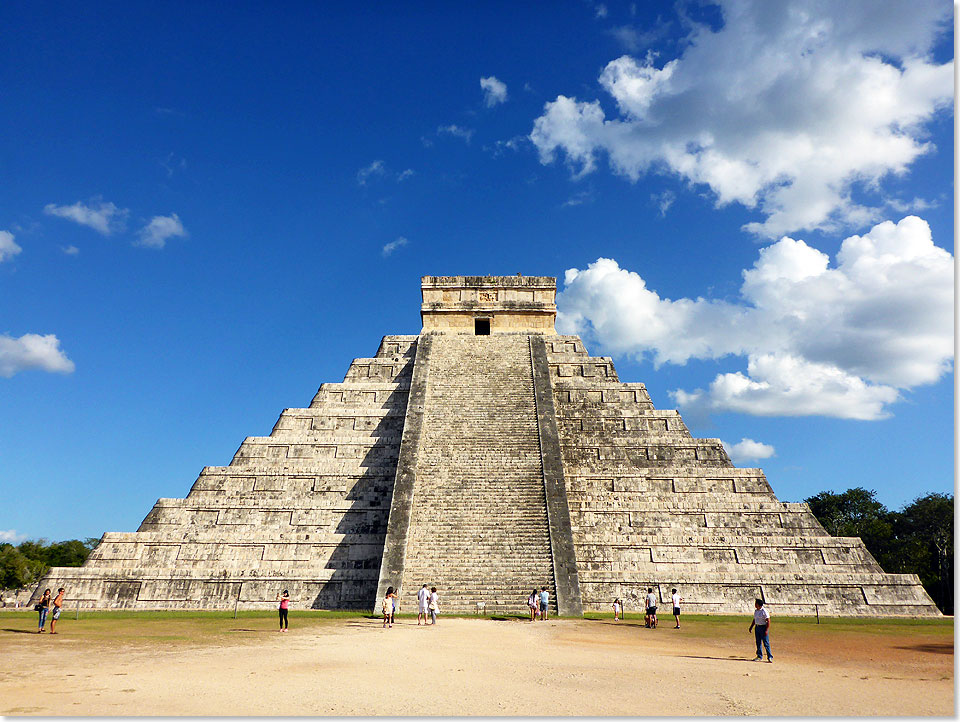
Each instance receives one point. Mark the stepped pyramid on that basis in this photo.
(486, 456)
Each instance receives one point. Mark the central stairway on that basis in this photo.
(479, 530)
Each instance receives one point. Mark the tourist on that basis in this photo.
(423, 599)
(544, 602)
(43, 606)
(761, 628)
(396, 605)
(57, 606)
(388, 604)
(676, 599)
(434, 605)
(284, 600)
(651, 608)
(533, 602)
(617, 609)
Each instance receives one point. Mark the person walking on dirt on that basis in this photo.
(57, 607)
(388, 602)
(760, 626)
(676, 599)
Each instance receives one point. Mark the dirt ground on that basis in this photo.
(351, 666)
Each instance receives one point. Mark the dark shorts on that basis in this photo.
(651, 610)
(56, 613)
(676, 611)
(543, 606)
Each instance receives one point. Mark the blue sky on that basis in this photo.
(207, 212)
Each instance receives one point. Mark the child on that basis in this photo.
(617, 609)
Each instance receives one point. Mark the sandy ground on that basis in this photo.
(472, 667)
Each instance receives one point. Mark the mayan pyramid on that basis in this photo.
(486, 456)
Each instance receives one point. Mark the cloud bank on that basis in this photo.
(787, 108)
(32, 351)
(841, 340)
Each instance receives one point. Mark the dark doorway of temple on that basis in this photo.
(481, 326)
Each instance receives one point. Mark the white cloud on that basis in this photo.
(390, 247)
(70, 250)
(456, 131)
(32, 351)
(601, 11)
(8, 247)
(102, 217)
(748, 450)
(378, 169)
(159, 229)
(10, 536)
(786, 108)
(664, 201)
(494, 91)
(838, 341)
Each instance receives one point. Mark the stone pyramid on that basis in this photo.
(486, 456)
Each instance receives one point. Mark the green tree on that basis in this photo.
(17, 570)
(856, 512)
(924, 531)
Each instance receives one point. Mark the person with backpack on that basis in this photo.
(43, 606)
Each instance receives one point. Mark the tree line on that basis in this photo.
(917, 539)
(25, 563)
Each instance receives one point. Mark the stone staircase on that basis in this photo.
(479, 529)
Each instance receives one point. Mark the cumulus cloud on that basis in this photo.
(456, 131)
(70, 250)
(10, 536)
(748, 450)
(494, 91)
(102, 217)
(159, 229)
(390, 247)
(787, 108)
(32, 351)
(8, 247)
(842, 340)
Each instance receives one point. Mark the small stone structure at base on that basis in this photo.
(487, 456)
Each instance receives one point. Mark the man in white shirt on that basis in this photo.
(423, 599)
(651, 608)
(676, 599)
(761, 627)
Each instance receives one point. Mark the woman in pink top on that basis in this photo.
(284, 607)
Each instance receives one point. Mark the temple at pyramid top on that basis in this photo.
(485, 305)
